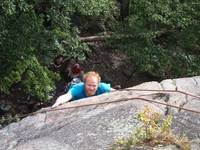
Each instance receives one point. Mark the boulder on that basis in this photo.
(95, 123)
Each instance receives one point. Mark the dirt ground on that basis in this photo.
(115, 67)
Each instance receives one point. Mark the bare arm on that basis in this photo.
(111, 89)
(62, 99)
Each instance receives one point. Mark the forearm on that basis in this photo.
(62, 99)
(111, 89)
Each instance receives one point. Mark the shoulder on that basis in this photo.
(77, 86)
(77, 91)
(104, 86)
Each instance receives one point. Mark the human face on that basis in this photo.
(91, 85)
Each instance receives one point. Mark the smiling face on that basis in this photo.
(91, 85)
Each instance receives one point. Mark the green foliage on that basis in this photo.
(96, 15)
(163, 36)
(33, 32)
(5, 120)
(154, 131)
(38, 80)
(94, 8)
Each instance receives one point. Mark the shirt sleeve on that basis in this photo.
(104, 87)
(76, 90)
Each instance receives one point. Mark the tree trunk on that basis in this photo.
(124, 9)
(94, 38)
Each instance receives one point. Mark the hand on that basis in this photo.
(55, 104)
(58, 101)
(62, 99)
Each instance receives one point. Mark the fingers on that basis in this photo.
(62, 99)
(55, 105)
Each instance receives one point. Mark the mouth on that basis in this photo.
(91, 92)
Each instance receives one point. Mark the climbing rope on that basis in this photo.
(126, 99)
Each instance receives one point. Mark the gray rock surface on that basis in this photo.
(96, 127)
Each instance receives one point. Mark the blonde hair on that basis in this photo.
(91, 73)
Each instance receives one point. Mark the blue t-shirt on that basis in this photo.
(77, 91)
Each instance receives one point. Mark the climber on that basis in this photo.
(90, 86)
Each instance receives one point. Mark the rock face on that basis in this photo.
(95, 127)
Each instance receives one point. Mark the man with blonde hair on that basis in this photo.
(90, 86)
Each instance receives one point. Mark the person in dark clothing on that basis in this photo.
(70, 72)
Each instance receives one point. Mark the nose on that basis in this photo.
(91, 87)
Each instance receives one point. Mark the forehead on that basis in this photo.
(92, 79)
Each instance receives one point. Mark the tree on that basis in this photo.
(124, 9)
(33, 32)
(163, 36)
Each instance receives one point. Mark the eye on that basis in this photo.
(91, 85)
